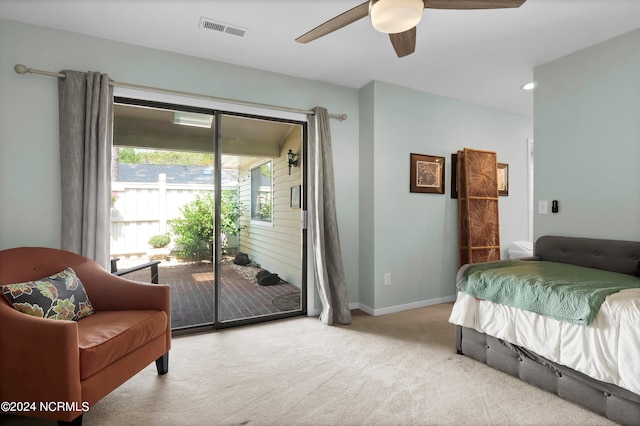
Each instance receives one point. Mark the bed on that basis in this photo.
(597, 365)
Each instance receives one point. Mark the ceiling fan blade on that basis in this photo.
(340, 21)
(472, 4)
(404, 43)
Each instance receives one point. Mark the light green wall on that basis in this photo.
(383, 228)
(587, 141)
(416, 237)
(366, 199)
(29, 158)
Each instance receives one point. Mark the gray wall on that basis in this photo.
(587, 141)
(383, 228)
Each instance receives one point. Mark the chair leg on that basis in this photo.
(75, 422)
(162, 364)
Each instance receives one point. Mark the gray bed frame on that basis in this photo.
(605, 399)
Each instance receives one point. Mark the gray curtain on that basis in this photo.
(330, 279)
(86, 105)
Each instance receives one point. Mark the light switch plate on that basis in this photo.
(543, 207)
(387, 278)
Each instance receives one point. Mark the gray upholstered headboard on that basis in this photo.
(609, 255)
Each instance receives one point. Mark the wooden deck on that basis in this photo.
(192, 293)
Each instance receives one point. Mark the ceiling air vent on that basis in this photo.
(221, 27)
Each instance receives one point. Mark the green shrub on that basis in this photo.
(230, 212)
(159, 241)
(194, 231)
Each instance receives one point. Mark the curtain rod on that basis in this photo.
(22, 69)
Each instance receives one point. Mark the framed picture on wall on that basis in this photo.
(426, 174)
(503, 179)
(295, 197)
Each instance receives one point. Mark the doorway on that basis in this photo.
(226, 190)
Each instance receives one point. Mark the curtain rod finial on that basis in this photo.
(21, 69)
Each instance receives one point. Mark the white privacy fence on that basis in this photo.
(141, 210)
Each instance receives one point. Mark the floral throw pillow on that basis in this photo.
(60, 296)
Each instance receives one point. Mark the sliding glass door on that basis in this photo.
(163, 202)
(261, 229)
(216, 199)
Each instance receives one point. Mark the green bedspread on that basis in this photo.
(558, 290)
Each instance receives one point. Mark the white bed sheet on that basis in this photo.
(607, 350)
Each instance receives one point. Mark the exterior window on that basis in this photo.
(261, 192)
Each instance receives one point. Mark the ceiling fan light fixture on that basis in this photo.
(395, 16)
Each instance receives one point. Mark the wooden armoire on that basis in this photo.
(478, 221)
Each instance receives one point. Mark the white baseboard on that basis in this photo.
(391, 309)
(406, 306)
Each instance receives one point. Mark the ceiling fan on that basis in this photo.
(399, 18)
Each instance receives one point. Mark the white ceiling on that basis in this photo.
(480, 56)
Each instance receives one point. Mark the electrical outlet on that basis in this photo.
(387, 278)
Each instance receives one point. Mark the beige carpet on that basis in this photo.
(397, 369)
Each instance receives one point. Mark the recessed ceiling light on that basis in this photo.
(528, 86)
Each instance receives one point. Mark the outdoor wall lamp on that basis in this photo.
(292, 160)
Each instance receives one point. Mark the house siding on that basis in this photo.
(276, 245)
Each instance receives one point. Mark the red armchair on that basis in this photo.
(45, 361)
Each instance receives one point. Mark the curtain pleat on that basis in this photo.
(85, 108)
(329, 270)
